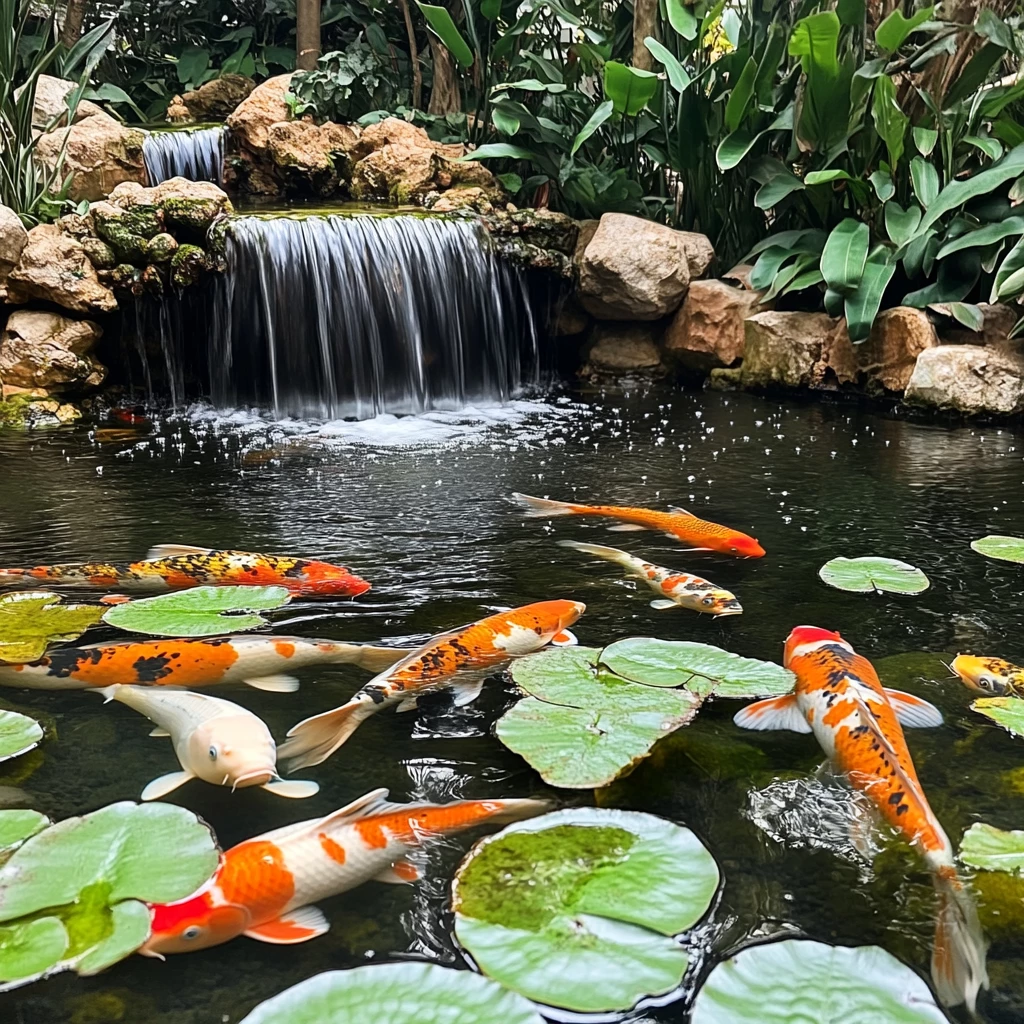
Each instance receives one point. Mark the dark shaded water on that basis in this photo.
(431, 528)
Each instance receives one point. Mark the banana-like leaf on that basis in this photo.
(956, 277)
(682, 19)
(740, 96)
(596, 119)
(844, 255)
(735, 146)
(963, 312)
(677, 74)
(441, 24)
(883, 185)
(988, 235)
(925, 179)
(900, 224)
(825, 101)
(1008, 270)
(776, 188)
(991, 27)
(890, 121)
(960, 191)
(925, 139)
(629, 89)
(496, 150)
(992, 148)
(862, 305)
(893, 31)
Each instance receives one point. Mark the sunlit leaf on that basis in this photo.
(17, 826)
(29, 950)
(18, 734)
(1005, 711)
(677, 74)
(991, 849)
(30, 621)
(1006, 549)
(873, 574)
(629, 89)
(895, 28)
(440, 22)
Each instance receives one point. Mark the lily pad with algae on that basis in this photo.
(32, 620)
(1005, 711)
(17, 826)
(993, 849)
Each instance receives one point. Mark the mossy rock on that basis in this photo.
(128, 247)
(217, 237)
(161, 248)
(188, 265)
(14, 411)
(192, 215)
(143, 219)
(123, 275)
(100, 254)
(153, 280)
(547, 229)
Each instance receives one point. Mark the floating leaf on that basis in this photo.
(201, 611)
(864, 575)
(408, 993)
(17, 826)
(1005, 711)
(18, 734)
(796, 979)
(581, 728)
(701, 668)
(29, 951)
(991, 849)
(32, 620)
(1006, 549)
(576, 908)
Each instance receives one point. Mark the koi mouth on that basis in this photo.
(730, 608)
(266, 774)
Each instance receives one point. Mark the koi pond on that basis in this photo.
(420, 507)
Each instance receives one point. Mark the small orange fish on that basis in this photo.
(994, 676)
(266, 887)
(179, 567)
(678, 524)
(856, 720)
(460, 659)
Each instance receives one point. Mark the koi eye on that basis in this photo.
(191, 932)
(988, 683)
(709, 601)
(213, 753)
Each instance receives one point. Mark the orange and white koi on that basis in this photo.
(839, 698)
(994, 676)
(459, 660)
(678, 589)
(258, 661)
(180, 567)
(678, 524)
(266, 887)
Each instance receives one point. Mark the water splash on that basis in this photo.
(194, 153)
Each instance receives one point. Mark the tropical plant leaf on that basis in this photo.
(733, 148)
(504, 122)
(776, 188)
(677, 74)
(201, 611)
(990, 147)
(1005, 711)
(890, 121)
(983, 236)
(18, 734)
(963, 312)
(1006, 549)
(682, 19)
(883, 185)
(958, 192)
(925, 139)
(629, 89)
(925, 179)
(595, 936)
(871, 574)
(17, 826)
(1008, 274)
(825, 101)
(596, 119)
(844, 255)
(31, 620)
(863, 304)
(441, 24)
(991, 849)
(991, 27)
(740, 96)
(901, 225)
(894, 29)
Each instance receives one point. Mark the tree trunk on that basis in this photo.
(645, 23)
(71, 31)
(307, 34)
(444, 94)
(414, 57)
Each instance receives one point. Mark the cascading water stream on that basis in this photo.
(193, 153)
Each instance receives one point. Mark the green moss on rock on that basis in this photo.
(187, 265)
(143, 219)
(14, 410)
(192, 215)
(128, 247)
(100, 254)
(161, 248)
(123, 276)
(217, 236)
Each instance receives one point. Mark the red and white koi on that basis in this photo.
(459, 660)
(266, 887)
(677, 589)
(839, 698)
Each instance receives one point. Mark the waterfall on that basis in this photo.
(193, 153)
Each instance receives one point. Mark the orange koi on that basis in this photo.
(178, 567)
(857, 721)
(994, 676)
(266, 887)
(460, 660)
(678, 524)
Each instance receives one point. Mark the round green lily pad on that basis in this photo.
(991, 849)
(578, 909)
(29, 951)
(1006, 549)
(201, 611)
(18, 734)
(405, 993)
(1005, 711)
(30, 621)
(873, 574)
(799, 980)
(17, 826)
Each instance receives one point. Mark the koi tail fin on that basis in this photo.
(544, 508)
(368, 656)
(518, 810)
(14, 578)
(602, 551)
(313, 740)
(958, 957)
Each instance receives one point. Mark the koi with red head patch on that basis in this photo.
(266, 887)
(177, 567)
(459, 660)
(678, 524)
(857, 721)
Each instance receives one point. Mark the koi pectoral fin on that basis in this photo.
(773, 713)
(159, 551)
(663, 603)
(274, 684)
(402, 872)
(914, 712)
(627, 528)
(165, 784)
(466, 691)
(564, 638)
(159, 731)
(298, 926)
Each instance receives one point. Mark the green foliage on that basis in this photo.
(346, 85)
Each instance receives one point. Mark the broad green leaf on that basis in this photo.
(844, 255)
(629, 89)
(901, 225)
(1009, 269)
(498, 150)
(490, 9)
(576, 909)
(768, 265)
(956, 277)
(201, 611)
(596, 119)
(863, 303)
(740, 96)
(800, 980)
(701, 668)
(989, 146)
(871, 574)
(440, 21)
(677, 74)
(890, 121)
(825, 99)
(31, 620)
(993, 28)
(682, 19)
(963, 312)
(919, 252)
(1005, 711)
(925, 139)
(130, 923)
(991, 849)
(893, 30)
(18, 735)
(504, 122)
(958, 192)
(29, 951)
(511, 182)
(192, 64)
(925, 179)
(776, 188)
(883, 185)
(814, 39)
(17, 826)
(532, 85)
(784, 278)
(1006, 549)
(799, 240)
(826, 177)
(984, 236)
(733, 148)
(399, 993)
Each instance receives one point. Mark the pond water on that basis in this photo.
(420, 508)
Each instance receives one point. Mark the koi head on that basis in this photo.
(992, 676)
(234, 750)
(807, 636)
(732, 542)
(321, 579)
(720, 603)
(194, 923)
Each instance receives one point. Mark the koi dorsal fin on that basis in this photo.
(368, 803)
(681, 511)
(154, 554)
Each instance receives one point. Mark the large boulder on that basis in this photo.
(968, 379)
(999, 318)
(13, 238)
(50, 107)
(785, 349)
(251, 120)
(634, 269)
(708, 331)
(54, 268)
(216, 99)
(624, 350)
(99, 153)
(313, 155)
(389, 132)
(45, 350)
(885, 361)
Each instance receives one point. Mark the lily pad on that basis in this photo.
(18, 734)
(31, 621)
(701, 668)
(201, 611)
(17, 826)
(872, 574)
(1006, 549)
(408, 993)
(577, 909)
(1005, 711)
(991, 849)
(582, 727)
(801, 980)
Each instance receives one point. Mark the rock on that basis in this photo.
(75, 225)
(311, 156)
(740, 274)
(49, 351)
(886, 360)
(188, 208)
(161, 248)
(177, 112)
(571, 318)
(633, 269)
(251, 120)
(968, 379)
(547, 229)
(999, 321)
(475, 199)
(13, 238)
(54, 268)
(389, 132)
(100, 154)
(785, 349)
(216, 99)
(10, 390)
(620, 350)
(587, 230)
(398, 172)
(101, 256)
(187, 265)
(133, 194)
(708, 331)
(699, 251)
(50, 107)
